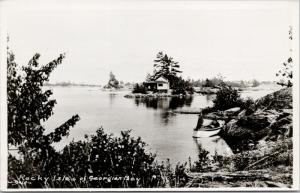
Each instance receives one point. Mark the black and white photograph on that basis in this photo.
(167, 95)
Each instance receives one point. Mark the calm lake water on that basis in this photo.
(168, 135)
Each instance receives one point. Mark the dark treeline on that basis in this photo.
(215, 82)
(70, 84)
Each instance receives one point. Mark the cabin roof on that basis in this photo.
(155, 81)
(159, 80)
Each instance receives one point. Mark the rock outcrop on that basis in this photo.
(271, 119)
(282, 99)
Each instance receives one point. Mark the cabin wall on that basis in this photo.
(151, 86)
(163, 86)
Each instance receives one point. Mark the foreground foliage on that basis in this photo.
(270, 155)
(29, 105)
(105, 155)
(286, 72)
(99, 161)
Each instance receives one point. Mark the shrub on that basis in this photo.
(105, 155)
(222, 162)
(270, 155)
(241, 160)
(139, 88)
(181, 178)
(280, 153)
(100, 155)
(226, 98)
(203, 163)
(178, 91)
(248, 104)
(213, 82)
(181, 86)
(172, 177)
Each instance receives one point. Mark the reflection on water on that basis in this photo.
(214, 145)
(166, 116)
(112, 96)
(164, 104)
(168, 135)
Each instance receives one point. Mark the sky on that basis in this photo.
(239, 39)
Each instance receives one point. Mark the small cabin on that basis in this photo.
(161, 84)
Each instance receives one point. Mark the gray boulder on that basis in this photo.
(271, 120)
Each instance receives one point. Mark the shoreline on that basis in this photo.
(156, 95)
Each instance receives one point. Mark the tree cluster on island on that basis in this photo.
(215, 82)
(165, 66)
(113, 83)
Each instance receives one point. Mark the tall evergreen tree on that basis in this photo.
(165, 66)
(148, 77)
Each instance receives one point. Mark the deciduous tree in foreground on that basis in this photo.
(29, 105)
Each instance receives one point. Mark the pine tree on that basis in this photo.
(148, 77)
(165, 66)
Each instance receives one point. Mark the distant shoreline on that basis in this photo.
(71, 84)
